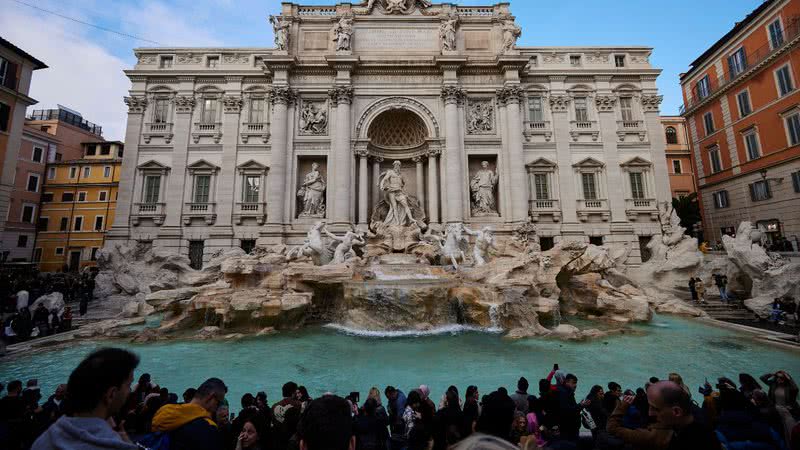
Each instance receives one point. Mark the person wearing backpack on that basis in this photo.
(189, 426)
(97, 389)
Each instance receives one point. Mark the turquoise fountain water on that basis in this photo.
(324, 359)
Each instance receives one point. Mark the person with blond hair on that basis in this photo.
(380, 411)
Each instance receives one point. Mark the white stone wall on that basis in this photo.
(441, 90)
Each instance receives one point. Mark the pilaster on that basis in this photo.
(120, 230)
(454, 175)
(231, 107)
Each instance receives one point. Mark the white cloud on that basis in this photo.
(81, 75)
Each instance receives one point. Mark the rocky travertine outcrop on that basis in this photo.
(522, 292)
(770, 276)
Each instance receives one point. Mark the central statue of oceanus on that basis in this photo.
(398, 219)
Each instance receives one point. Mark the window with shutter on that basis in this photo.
(776, 33)
(737, 63)
(796, 181)
(760, 191)
(589, 186)
(8, 74)
(637, 185)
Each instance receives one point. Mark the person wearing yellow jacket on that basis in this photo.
(190, 425)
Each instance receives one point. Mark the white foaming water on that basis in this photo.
(495, 328)
(445, 329)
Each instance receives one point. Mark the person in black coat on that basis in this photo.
(447, 423)
(371, 428)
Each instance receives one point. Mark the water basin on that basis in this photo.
(325, 359)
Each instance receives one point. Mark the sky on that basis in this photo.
(86, 63)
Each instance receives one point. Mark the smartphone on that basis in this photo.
(356, 397)
(555, 366)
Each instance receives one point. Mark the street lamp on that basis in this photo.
(763, 173)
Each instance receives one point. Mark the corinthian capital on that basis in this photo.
(651, 102)
(509, 94)
(282, 95)
(136, 104)
(559, 103)
(184, 104)
(341, 94)
(452, 94)
(232, 104)
(605, 103)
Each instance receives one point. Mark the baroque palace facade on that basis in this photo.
(228, 147)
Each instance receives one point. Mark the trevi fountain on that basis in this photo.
(466, 255)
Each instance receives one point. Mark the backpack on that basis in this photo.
(154, 441)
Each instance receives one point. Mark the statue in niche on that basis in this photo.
(342, 34)
(312, 191)
(511, 32)
(313, 119)
(484, 242)
(447, 33)
(281, 27)
(393, 185)
(482, 186)
(480, 116)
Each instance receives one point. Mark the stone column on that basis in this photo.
(376, 173)
(433, 186)
(225, 195)
(511, 96)
(420, 181)
(176, 186)
(363, 214)
(454, 171)
(341, 179)
(280, 97)
(120, 229)
(615, 179)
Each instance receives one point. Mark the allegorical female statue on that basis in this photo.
(482, 187)
(313, 193)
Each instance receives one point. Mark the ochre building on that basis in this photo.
(78, 206)
(742, 108)
(682, 180)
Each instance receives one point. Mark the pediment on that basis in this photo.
(637, 162)
(541, 163)
(252, 165)
(202, 164)
(589, 163)
(152, 165)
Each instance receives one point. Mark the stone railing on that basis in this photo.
(633, 125)
(538, 128)
(316, 10)
(158, 128)
(155, 211)
(257, 210)
(588, 207)
(254, 129)
(636, 206)
(475, 11)
(202, 129)
(207, 127)
(550, 207)
(583, 125)
(207, 211)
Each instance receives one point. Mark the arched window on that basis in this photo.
(672, 135)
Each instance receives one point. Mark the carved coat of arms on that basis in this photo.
(397, 6)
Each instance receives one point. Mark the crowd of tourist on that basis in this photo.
(22, 319)
(100, 407)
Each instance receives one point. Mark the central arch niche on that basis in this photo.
(397, 129)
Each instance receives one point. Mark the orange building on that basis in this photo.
(78, 203)
(742, 108)
(679, 156)
(16, 71)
